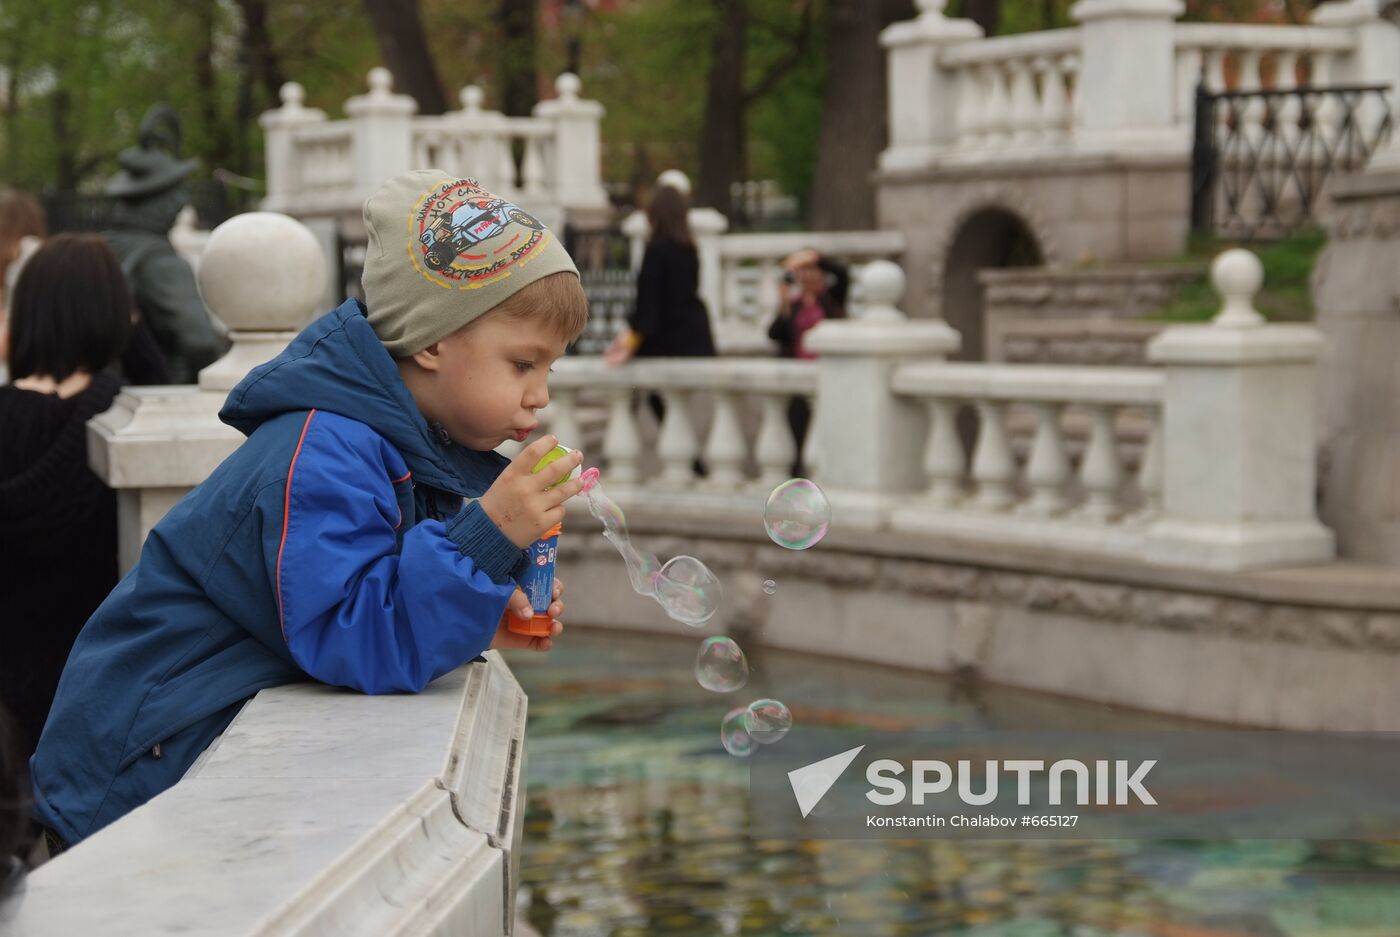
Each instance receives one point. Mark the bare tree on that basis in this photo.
(398, 25)
(854, 113)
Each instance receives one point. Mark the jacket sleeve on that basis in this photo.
(780, 331)
(358, 608)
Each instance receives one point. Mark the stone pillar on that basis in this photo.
(1127, 77)
(263, 275)
(382, 134)
(1356, 289)
(869, 443)
(279, 145)
(576, 176)
(1239, 434)
(922, 97)
(709, 226)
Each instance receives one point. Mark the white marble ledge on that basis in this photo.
(1060, 383)
(736, 374)
(318, 812)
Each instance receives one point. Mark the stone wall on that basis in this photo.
(1356, 287)
(1078, 210)
(1307, 648)
(1068, 315)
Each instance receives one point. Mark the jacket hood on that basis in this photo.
(338, 364)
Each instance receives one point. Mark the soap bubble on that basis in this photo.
(769, 586)
(797, 514)
(687, 590)
(767, 720)
(733, 736)
(720, 665)
(642, 568)
(605, 509)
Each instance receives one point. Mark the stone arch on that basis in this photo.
(992, 227)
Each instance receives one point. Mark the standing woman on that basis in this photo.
(669, 319)
(69, 322)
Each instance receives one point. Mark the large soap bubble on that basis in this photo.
(733, 736)
(720, 665)
(688, 591)
(797, 514)
(767, 720)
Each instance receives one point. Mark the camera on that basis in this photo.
(789, 277)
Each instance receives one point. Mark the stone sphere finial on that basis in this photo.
(568, 85)
(472, 97)
(1237, 276)
(675, 179)
(882, 284)
(381, 81)
(292, 95)
(262, 272)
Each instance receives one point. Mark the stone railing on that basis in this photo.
(1159, 462)
(729, 414)
(740, 273)
(1044, 499)
(317, 167)
(1124, 80)
(317, 812)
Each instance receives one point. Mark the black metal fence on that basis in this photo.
(604, 263)
(1260, 159)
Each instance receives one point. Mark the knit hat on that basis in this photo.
(442, 252)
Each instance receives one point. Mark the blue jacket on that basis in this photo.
(332, 544)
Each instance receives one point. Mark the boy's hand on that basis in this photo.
(523, 505)
(519, 607)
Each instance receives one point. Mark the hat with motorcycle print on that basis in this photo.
(442, 252)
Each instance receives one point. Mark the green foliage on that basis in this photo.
(1287, 292)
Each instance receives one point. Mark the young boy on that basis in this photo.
(334, 543)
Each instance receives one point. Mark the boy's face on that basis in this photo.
(484, 383)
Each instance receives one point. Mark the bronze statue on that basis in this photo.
(149, 191)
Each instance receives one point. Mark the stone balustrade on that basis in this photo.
(730, 414)
(1204, 459)
(320, 168)
(1123, 81)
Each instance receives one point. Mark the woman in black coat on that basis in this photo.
(669, 319)
(69, 323)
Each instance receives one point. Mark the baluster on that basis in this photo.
(971, 114)
(1150, 470)
(1327, 119)
(1069, 77)
(622, 443)
(998, 106)
(1022, 108)
(766, 293)
(1101, 472)
(993, 468)
(1047, 470)
(775, 450)
(724, 448)
(1054, 102)
(1215, 70)
(533, 173)
(676, 444)
(944, 459)
(1288, 136)
(505, 165)
(561, 416)
(1188, 75)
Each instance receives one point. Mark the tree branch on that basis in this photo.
(787, 63)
